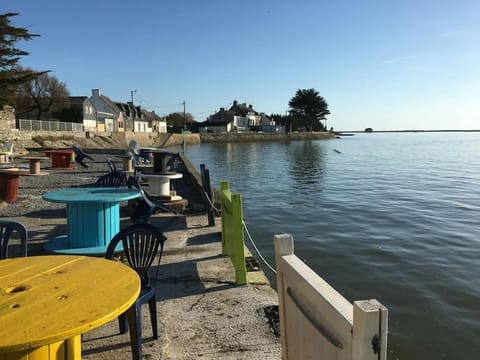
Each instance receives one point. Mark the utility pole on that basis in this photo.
(184, 116)
(133, 108)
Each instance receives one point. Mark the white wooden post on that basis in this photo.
(318, 322)
(370, 324)
(283, 246)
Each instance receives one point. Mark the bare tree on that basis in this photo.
(44, 94)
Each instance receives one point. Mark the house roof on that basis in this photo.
(110, 103)
(150, 116)
(242, 109)
(77, 100)
(264, 118)
(221, 117)
(225, 116)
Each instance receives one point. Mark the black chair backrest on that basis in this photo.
(80, 156)
(133, 183)
(146, 206)
(6, 229)
(112, 179)
(111, 165)
(141, 243)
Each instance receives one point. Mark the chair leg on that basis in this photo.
(24, 247)
(134, 321)
(152, 304)
(123, 324)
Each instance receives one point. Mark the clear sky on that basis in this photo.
(410, 64)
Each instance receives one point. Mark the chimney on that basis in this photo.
(235, 102)
(95, 92)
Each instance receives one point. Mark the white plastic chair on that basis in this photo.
(7, 149)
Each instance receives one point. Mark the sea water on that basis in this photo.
(390, 216)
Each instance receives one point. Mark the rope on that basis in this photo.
(211, 203)
(256, 249)
(248, 234)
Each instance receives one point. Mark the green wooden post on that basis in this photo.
(232, 231)
(238, 245)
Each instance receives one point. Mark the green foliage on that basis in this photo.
(285, 120)
(10, 75)
(178, 119)
(308, 109)
(41, 139)
(69, 114)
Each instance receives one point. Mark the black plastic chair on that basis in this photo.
(141, 244)
(138, 157)
(111, 165)
(146, 206)
(7, 227)
(80, 156)
(112, 179)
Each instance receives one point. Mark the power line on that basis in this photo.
(159, 106)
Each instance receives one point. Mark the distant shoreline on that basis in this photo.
(400, 131)
(254, 136)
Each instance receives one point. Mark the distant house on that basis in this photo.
(158, 124)
(220, 122)
(239, 118)
(245, 116)
(101, 114)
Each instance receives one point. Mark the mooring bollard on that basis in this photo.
(207, 188)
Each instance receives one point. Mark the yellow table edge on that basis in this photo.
(69, 335)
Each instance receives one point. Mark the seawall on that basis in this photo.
(25, 141)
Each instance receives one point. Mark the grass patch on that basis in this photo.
(40, 139)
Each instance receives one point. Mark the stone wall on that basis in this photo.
(180, 139)
(244, 137)
(24, 141)
(7, 119)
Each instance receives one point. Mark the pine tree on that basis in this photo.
(11, 75)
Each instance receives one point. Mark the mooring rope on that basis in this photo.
(256, 249)
(271, 268)
(212, 204)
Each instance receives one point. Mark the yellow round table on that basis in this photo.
(47, 302)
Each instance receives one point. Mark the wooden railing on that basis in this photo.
(316, 322)
(232, 231)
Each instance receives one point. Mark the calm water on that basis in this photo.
(394, 217)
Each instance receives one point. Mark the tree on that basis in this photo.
(309, 109)
(44, 94)
(11, 76)
(177, 119)
(69, 114)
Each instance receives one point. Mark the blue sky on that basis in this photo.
(411, 64)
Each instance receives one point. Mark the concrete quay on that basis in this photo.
(201, 313)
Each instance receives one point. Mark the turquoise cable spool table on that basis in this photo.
(93, 218)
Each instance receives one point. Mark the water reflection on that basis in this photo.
(307, 164)
(401, 210)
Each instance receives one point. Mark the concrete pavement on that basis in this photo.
(201, 313)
